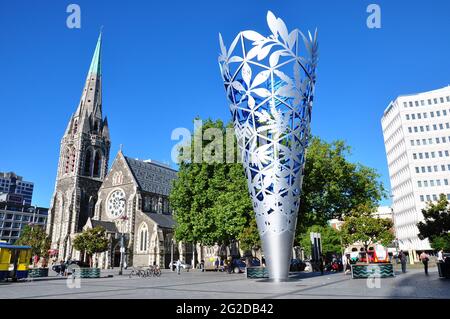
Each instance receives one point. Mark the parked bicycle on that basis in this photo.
(152, 271)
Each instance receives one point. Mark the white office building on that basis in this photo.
(416, 131)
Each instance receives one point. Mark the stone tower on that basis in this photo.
(83, 163)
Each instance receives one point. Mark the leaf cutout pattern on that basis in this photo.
(270, 90)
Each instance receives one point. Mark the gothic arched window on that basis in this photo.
(87, 163)
(97, 164)
(143, 238)
(75, 127)
(117, 178)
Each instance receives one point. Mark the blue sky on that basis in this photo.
(160, 70)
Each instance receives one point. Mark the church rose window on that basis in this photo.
(115, 204)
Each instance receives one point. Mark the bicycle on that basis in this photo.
(153, 271)
(137, 273)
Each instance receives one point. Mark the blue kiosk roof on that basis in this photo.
(5, 245)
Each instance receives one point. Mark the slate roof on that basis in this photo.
(163, 220)
(109, 226)
(151, 177)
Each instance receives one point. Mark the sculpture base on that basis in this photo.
(277, 249)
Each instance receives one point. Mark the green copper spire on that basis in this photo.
(96, 66)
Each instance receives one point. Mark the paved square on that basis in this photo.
(212, 285)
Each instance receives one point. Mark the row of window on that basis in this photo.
(426, 128)
(19, 217)
(430, 169)
(419, 116)
(432, 183)
(429, 102)
(430, 154)
(428, 198)
(429, 141)
(8, 233)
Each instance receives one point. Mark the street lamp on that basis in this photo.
(122, 244)
(171, 254)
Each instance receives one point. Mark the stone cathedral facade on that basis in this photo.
(131, 199)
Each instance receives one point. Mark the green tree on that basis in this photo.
(330, 238)
(333, 186)
(210, 199)
(36, 237)
(436, 224)
(363, 227)
(91, 241)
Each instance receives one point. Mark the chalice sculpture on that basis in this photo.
(269, 83)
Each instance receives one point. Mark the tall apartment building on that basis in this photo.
(416, 131)
(10, 183)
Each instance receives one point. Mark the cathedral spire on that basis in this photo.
(91, 98)
(96, 66)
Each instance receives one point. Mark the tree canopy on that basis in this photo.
(436, 224)
(210, 199)
(91, 241)
(361, 226)
(334, 186)
(36, 237)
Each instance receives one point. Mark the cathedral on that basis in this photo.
(130, 201)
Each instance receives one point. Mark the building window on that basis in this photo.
(434, 197)
(419, 183)
(407, 116)
(417, 170)
(425, 183)
(422, 198)
(428, 198)
(410, 104)
(442, 100)
(409, 130)
(432, 183)
(415, 156)
(433, 155)
(438, 182)
(413, 116)
(422, 102)
(432, 114)
(446, 182)
(87, 163)
(405, 104)
(97, 164)
(143, 238)
(435, 101)
(429, 101)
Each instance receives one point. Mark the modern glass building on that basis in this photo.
(416, 131)
(10, 183)
(14, 215)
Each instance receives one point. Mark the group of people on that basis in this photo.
(424, 258)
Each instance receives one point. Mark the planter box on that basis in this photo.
(86, 272)
(372, 270)
(38, 272)
(257, 272)
(444, 270)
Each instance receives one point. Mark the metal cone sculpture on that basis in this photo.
(270, 88)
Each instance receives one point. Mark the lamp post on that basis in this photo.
(171, 254)
(122, 244)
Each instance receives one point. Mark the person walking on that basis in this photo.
(424, 257)
(402, 257)
(178, 265)
(440, 256)
(348, 267)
